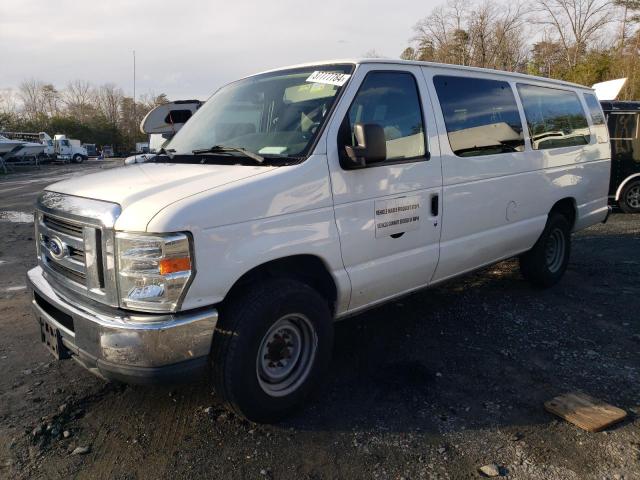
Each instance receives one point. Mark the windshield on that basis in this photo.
(273, 114)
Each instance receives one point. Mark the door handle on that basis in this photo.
(435, 205)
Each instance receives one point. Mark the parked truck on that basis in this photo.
(63, 149)
(58, 148)
(92, 151)
(142, 147)
(69, 149)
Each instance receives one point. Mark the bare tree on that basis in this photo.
(442, 35)
(8, 105)
(109, 100)
(575, 22)
(51, 100)
(409, 53)
(30, 92)
(546, 55)
(630, 16)
(79, 98)
(489, 34)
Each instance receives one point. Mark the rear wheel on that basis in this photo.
(545, 264)
(271, 346)
(630, 198)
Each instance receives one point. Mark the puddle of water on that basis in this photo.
(15, 217)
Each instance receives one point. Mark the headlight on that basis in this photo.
(153, 270)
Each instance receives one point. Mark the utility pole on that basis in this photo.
(134, 85)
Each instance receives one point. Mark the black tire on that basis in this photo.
(246, 322)
(77, 158)
(630, 197)
(544, 265)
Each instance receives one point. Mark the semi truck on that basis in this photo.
(69, 149)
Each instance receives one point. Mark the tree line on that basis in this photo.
(102, 114)
(583, 41)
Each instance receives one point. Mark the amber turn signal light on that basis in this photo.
(173, 265)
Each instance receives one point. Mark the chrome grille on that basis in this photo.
(73, 275)
(63, 226)
(57, 234)
(75, 241)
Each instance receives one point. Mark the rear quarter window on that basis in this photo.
(555, 117)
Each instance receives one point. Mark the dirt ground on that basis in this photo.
(433, 386)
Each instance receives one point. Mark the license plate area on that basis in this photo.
(51, 337)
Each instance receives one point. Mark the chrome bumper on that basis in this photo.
(112, 343)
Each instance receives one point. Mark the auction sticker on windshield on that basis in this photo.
(397, 215)
(331, 78)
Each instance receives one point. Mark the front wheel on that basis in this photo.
(545, 264)
(77, 158)
(630, 198)
(270, 348)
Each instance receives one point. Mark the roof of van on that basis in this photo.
(360, 61)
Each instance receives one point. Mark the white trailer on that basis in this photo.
(161, 124)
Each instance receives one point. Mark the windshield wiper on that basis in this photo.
(226, 149)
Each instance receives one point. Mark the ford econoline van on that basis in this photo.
(304, 195)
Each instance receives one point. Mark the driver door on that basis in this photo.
(387, 213)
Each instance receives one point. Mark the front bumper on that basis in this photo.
(119, 345)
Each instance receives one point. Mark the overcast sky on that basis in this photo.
(188, 48)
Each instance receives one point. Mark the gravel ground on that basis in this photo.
(435, 385)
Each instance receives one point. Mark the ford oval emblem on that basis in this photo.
(57, 248)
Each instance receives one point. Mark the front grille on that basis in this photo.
(68, 237)
(78, 277)
(76, 254)
(75, 239)
(62, 226)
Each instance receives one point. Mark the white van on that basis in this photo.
(303, 195)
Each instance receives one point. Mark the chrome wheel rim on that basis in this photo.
(555, 250)
(633, 196)
(286, 355)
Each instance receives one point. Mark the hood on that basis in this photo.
(142, 190)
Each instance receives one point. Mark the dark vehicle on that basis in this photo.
(107, 151)
(622, 120)
(92, 151)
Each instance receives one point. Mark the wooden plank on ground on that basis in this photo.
(586, 412)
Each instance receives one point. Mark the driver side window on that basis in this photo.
(390, 100)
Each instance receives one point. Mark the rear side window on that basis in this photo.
(595, 110)
(391, 100)
(555, 117)
(481, 115)
(623, 126)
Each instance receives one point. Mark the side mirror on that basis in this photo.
(372, 145)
